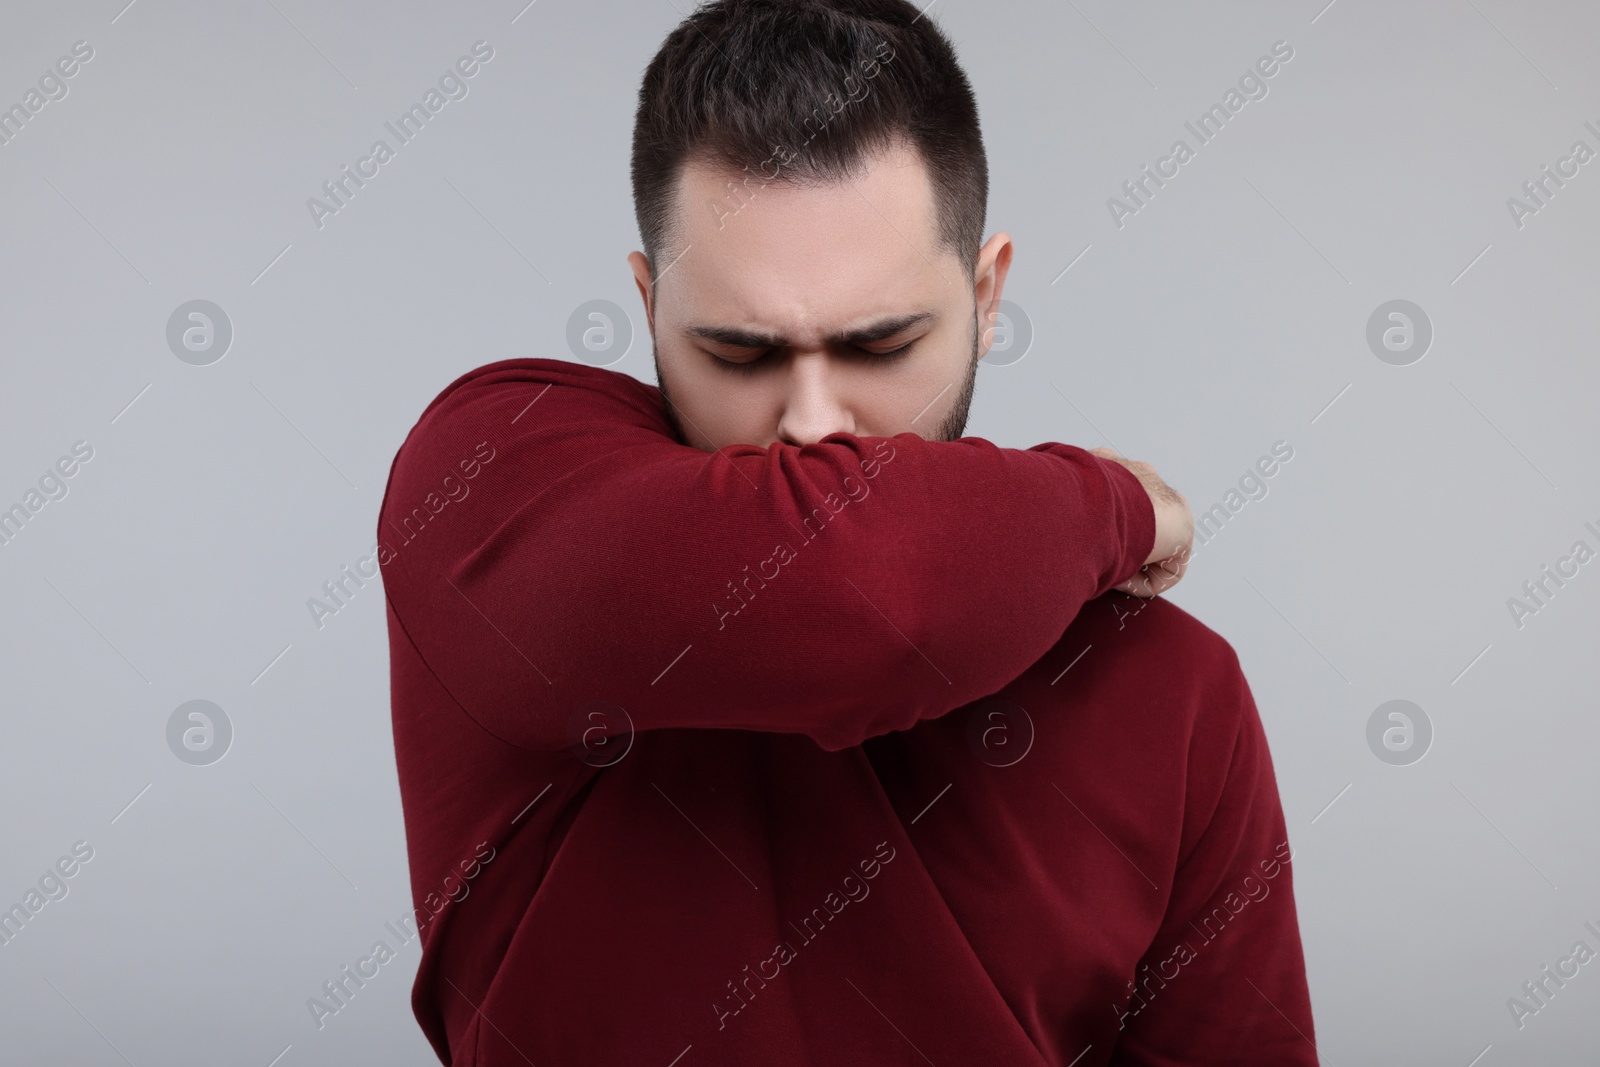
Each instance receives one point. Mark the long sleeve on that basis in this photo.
(1224, 980)
(554, 554)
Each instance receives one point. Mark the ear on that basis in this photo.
(641, 278)
(989, 279)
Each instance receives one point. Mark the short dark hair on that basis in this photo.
(801, 91)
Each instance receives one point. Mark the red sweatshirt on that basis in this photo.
(834, 754)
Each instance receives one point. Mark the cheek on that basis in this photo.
(719, 407)
(920, 388)
(948, 361)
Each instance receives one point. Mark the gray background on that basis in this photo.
(1227, 314)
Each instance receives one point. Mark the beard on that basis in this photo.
(954, 424)
(951, 427)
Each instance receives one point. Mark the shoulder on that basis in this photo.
(1159, 688)
(514, 405)
(506, 382)
(1177, 650)
(1161, 700)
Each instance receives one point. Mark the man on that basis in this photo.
(765, 719)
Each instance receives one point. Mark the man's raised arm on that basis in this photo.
(842, 589)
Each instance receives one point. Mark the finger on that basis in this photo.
(1168, 572)
(1156, 578)
(1138, 586)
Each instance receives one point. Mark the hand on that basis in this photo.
(1169, 556)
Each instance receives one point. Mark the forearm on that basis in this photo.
(841, 590)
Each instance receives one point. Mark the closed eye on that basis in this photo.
(750, 366)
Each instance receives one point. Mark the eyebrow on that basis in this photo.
(734, 337)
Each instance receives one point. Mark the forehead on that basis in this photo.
(804, 257)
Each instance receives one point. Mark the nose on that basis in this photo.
(812, 405)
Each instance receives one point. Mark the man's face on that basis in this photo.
(807, 311)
